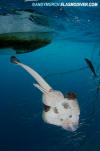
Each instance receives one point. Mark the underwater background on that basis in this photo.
(58, 40)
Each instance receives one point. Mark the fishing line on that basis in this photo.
(93, 50)
(92, 114)
(64, 73)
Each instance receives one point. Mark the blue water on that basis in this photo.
(21, 125)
